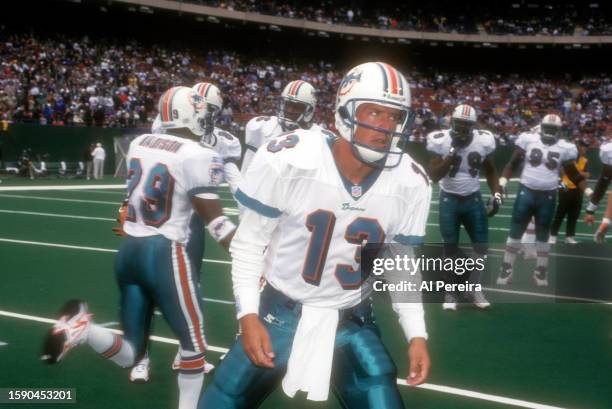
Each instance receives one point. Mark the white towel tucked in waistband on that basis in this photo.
(310, 362)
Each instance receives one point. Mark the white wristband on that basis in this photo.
(503, 181)
(588, 192)
(221, 227)
(605, 220)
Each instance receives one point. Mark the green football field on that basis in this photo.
(529, 350)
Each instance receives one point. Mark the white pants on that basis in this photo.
(98, 171)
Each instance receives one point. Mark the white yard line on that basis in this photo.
(69, 246)
(67, 216)
(428, 386)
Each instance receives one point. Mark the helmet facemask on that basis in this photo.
(207, 123)
(293, 114)
(549, 133)
(376, 154)
(461, 131)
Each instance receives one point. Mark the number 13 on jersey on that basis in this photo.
(360, 231)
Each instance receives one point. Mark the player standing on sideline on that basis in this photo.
(541, 155)
(298, 102)
(458, 155)
(169, 176)
(570, 200)
(312, 200)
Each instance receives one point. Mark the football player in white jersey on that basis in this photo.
(458, 154)
(312, 200)
(298, 102)
(605, 155)
(170, 177)
(541, 155)
(228, 148)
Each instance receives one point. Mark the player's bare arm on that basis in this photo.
(439, 166)
(514, 164)
(491, 174)
(600, 189)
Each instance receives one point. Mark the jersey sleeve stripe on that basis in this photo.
(202, 189)
(409, 240)
(257, 206)
(251, 147)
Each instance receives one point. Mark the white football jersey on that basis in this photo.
(542, 162)
(226, 145)
(260, 130)
(164, 173)
(323, 219)
(605, 153)
(463, 175)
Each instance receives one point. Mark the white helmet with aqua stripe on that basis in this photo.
(381, 84)
(182, 107)
(463, 121)
(297, 105)
(214, 103)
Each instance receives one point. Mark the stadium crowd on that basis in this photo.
(77, 81)
(518, 17)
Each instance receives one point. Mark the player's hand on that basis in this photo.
(419, 362)
(256, 341)
(600, 235)
(503, 182)
(494, 204)
(121, 215)
(589, 219)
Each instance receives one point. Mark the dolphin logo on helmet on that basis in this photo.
(377, 83)
(181, 107)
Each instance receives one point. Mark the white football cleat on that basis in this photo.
(141, 371)
(479, 300)
(505, 274)
(540, 278)
(69, 331)
(450, 302)
(176, 364)
(570, 240)
(552, 239)
(208, 367)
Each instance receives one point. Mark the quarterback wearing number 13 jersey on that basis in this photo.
(324, 218)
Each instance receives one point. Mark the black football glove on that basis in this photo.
(494, 204)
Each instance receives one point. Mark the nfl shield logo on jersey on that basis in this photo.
(356, 191)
